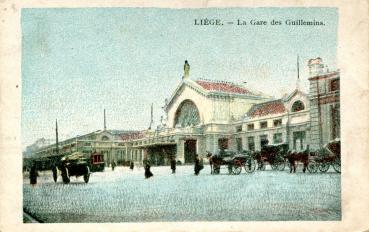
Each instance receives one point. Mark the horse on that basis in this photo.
(259, 159)
(211, 160)
(215, 161)
(272, 154)
(294, 156)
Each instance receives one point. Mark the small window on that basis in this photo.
(250, 126)
(263, 124)
(263, 140)
(251, 143)
(277, 122)
(223, 143)
(238, 128)
(298, 106)
(277, 138)
(334, 85)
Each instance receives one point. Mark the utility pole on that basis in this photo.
(151, 119)
(288, 130)
(298, 73)
(56, 137)
(104, 121)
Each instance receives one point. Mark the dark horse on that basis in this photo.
(215, 161)
(293, 157)
(272, 154)
(211, 158)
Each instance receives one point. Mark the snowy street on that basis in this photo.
(126, 196)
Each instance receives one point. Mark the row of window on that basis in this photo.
(223, 143)
(277, 138)
(262, 125)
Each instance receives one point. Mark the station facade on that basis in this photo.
(206, 115)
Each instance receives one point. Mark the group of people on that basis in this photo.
(173, 163)
(199, 165)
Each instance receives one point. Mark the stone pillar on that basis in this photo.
(180, 150)
(244, 142)
(201, 146)
(211, 143)
(145, 154)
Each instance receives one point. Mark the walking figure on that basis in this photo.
(148, 173)
(33, 174)
(131, 165)
(198, 165)
(113, 165)
(173, 164)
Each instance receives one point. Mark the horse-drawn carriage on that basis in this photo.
(78, 164)
(330, 154)
(234, 162)
(75, 164)
(273, 154)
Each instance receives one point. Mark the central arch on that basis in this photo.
(187, 114)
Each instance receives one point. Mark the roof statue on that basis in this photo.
(186, 69)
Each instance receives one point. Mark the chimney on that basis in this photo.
(316, 67)
(186, 70)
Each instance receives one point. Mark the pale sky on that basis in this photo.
(76, 62)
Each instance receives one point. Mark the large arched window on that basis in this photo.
(187, 115)
(105, 138)
(298, 106)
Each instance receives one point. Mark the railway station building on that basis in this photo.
(207, 115)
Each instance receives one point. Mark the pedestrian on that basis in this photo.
(113, 165)
(131, 165)
(198, 165)
(148, 173)
(173, 164)
(33, 174)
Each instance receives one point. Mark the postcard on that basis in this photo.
(184, 116)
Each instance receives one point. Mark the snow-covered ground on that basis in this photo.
(126, 196)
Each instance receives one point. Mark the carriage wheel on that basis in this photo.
(274, 166)
(55, 174)
(236, 169)
(86, 177)
(65, 176)
(323, 167)
(216, 170)
(250, 165)
(337, 165)
(312, 167)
